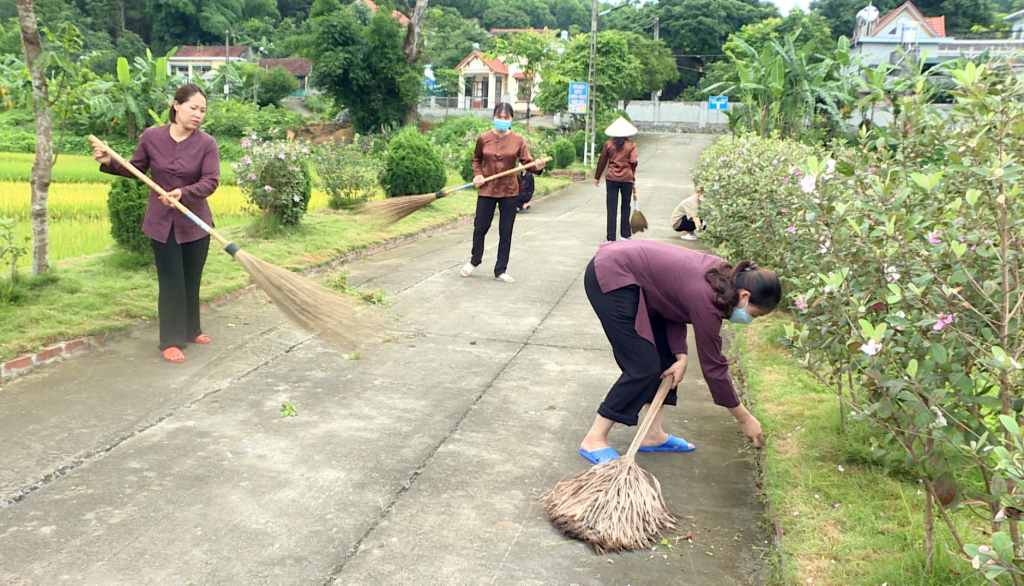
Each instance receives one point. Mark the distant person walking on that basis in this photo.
(686, 218)
(619, 155)
(185, 162)
(496, 151)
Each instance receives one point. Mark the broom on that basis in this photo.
(615, 506)
(390, 211)
(311, 306)
(637, 221)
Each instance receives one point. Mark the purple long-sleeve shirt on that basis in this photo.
(192, 165)
(672, 286)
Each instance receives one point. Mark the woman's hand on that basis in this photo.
(677, 370)
(174, 194)
(749, 424)
(597, 183)
(100, 154)
(478, 181)
(540, 165)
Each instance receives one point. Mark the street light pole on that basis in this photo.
(590, 134)
(227, 61)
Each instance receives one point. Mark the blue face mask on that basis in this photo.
(740, 316)
(502, 124)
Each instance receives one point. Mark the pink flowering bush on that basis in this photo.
(905, 271)
(275, 177)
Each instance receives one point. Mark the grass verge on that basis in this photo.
(844, 522)
(114, 290)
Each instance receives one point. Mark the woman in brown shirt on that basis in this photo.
(496, 151)
(620, 157)
(647, 294)
(185, 161)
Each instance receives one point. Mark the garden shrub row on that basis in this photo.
(902, 260)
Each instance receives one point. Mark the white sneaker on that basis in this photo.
(467, 270)
(505, 277)
(688, 237)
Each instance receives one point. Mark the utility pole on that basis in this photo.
(657, 93)
(227, 61)
(590, 132)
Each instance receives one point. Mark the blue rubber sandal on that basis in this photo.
(673, 444)
(600, 456)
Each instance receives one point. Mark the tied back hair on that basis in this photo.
(727, 280)
(620, 141)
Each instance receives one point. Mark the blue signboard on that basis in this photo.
(718, 102)
(577, 97)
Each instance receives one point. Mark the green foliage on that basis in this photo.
(126, 203)
(459, 130)
(466, 167)
(448, 37)
(505, 16)
(564, 153)
(901, 257)
(783, 90)
(274, 85)
(237, 119)
(349, 174)
(530, 50)
(275, 177)
(363, 67)
(579, 141)
(620, 77)
(701, 27)
(412, 165)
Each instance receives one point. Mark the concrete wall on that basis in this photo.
(676, 116)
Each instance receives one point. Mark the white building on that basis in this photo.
(194, 62)
(905, 30)
(485, 82)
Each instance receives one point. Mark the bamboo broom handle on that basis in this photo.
(160, 190)
(645, 426)
(532, 163)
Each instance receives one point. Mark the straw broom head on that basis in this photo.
(393, 210)
(311, 306)
(637, 220)
(615, 506)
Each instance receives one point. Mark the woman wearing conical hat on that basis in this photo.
(620, 157)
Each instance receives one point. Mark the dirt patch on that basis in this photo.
(321, 132)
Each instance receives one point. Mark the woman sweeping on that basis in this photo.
(645, 294)
(619, 155)
(496, 151)
(184, 161)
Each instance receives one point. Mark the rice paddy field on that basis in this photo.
(78, 214)
(73, 169)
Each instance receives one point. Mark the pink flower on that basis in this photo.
(871, 169)
(245, 143)
(933, 237)
(791, 229)
(801, 302)
(268, 188)
(944, 320)
(252, 177)
(247, 161)
(785, 179)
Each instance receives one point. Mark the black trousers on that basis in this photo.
(640, 361)
(614, 189)
(687, 225)
(179, 269)
(482, 223)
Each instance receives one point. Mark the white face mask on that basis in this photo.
(740, 315)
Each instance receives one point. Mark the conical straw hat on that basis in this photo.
(621, 127)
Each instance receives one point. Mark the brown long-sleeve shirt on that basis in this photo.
(495, 154)
(192, 165)
(672, 286)
(621, 164)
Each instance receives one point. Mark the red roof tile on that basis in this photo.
(403, 19)
(207, 52)
(493, 64)
(295, 66)
(938, 24)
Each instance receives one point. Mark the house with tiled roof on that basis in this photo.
(907, 34)
(196, 61)
(486, 82)
(402, 19)
(300, 68)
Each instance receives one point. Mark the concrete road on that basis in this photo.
(418, 463)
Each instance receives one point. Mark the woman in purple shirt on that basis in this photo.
(184, 161)
(645, 294)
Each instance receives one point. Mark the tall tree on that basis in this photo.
(701, 27)
(505, 16)
(619, 74)
(43, 166)
(364, 68)
(532, 52)
(568, 13)
(448, 38)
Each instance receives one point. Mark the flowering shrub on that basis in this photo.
(275, 177)
(903, 262)
(350, 173)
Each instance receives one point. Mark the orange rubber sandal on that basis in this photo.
(202, 339)
(173, 354)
